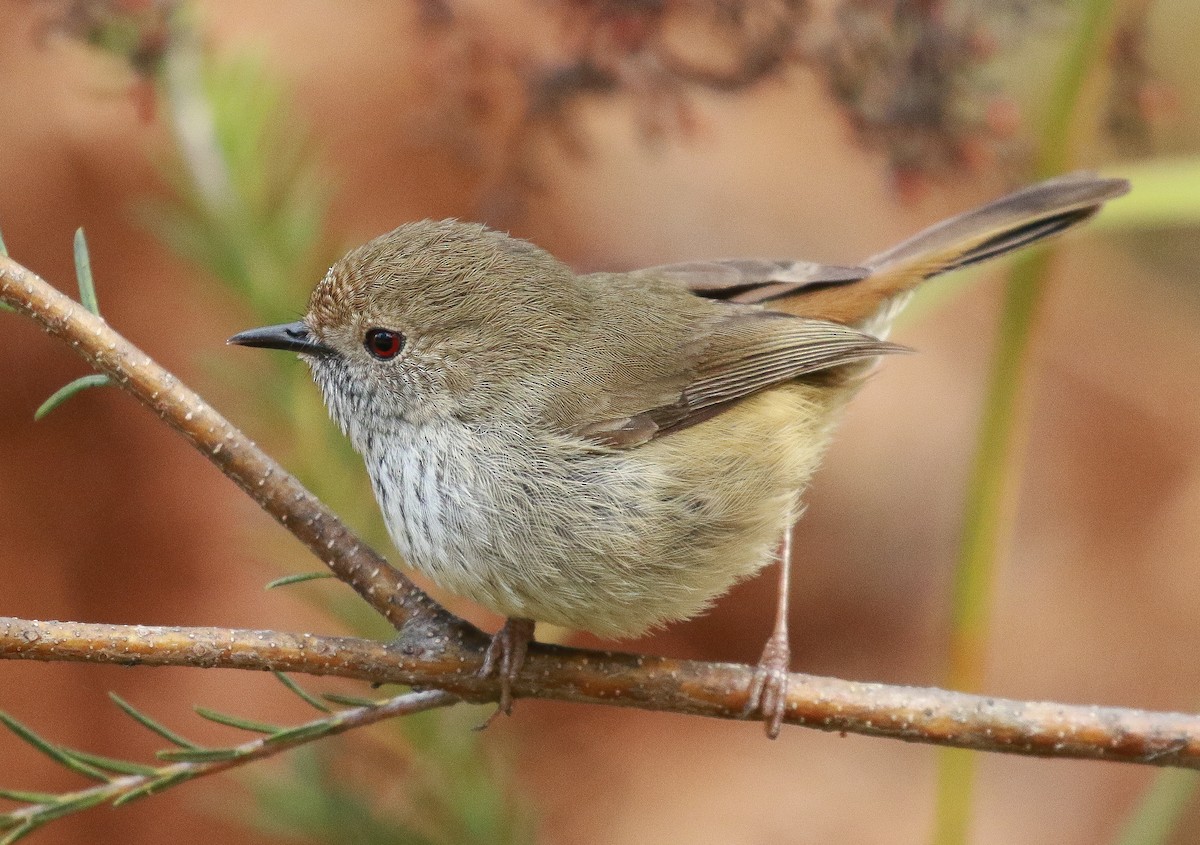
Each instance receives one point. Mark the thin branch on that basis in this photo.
(914, 714)
(437, 650)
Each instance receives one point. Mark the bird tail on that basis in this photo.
(1019, 219)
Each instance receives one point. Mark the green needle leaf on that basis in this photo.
(300, 691)
(68, 390)
(163, 731)
(302, 733)
(350, 700)
(3, 248)
(297, 579)
(72, 802)
(83, 274)
(200, 755)
(236, 721)
(60, 755)
(29, 797)
(111, 764)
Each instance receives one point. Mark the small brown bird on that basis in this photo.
(610, 452)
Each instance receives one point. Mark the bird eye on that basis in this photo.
(383, 343)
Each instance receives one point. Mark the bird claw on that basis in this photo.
(767, 694)
(504, 658)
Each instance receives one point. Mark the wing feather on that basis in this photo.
(755, 280)
(747, 351)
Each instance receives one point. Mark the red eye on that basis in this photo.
(383, 344)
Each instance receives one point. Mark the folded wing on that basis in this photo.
(743, 353)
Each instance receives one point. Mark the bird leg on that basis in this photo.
(504, 658)
(768, 687)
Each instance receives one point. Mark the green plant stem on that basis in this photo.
(986, 520)
(988, 507)
(988, 511)
(1154, 819)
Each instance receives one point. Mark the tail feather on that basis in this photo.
(1007, 223)
(1021, 236)
(1019, 219)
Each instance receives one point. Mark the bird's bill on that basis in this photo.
(294, 337)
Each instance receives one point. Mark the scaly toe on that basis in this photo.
(504, 658)
(767, 694)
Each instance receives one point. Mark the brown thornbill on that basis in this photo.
(610, 452)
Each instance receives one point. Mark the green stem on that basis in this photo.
(988, 510)
(1154, 820)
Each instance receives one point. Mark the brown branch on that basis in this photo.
(436, 649)
(915, 714)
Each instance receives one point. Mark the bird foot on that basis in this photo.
(767, 695)
(504, 658)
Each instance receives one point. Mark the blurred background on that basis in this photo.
(220, 155)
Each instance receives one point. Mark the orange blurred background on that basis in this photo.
(108, 516)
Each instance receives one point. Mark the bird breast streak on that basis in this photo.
(418, 482)
(611, 543)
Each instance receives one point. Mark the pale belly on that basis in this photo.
(612, 543)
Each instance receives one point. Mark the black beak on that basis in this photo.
(294, 337)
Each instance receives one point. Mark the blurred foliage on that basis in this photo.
(310, 804)
(250, 207)
(1156, 818)
(445, 792)
(135, 30)
(916, 79)
(256, 223)
(987, 511)
(1166, 193)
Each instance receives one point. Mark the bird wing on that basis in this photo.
(741, 349)
(755, 280)
(744, 352)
